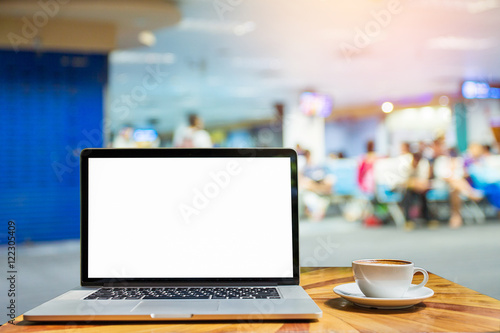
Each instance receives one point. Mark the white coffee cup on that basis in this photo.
(386, 278)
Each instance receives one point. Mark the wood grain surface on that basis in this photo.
(453, 308)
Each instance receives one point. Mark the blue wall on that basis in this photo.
(350, 136)
(51, 106)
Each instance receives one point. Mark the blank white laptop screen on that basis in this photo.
(190, 218)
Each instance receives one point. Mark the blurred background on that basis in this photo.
(393, 107)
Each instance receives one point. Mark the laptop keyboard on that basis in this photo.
(185, 293)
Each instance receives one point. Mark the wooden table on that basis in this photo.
(452, 308)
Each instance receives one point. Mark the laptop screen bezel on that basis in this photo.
(183, 152)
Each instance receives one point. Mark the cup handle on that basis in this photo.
(421, 284)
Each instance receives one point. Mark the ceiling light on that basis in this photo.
(387, 107)
(444, 100)
(131, 57)
(207, 26)
(480, 6)
(460, 43)
(147, 38)
(243, 29)
(427, 112)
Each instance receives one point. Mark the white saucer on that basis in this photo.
(351, 292)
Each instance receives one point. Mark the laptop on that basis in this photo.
(186, 234)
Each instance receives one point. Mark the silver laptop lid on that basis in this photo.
(189, 216)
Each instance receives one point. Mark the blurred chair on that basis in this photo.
(438, 196)
(345, 190)
(345, 173)
(486, 177)
(390, 176)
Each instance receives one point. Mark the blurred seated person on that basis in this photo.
(331, 161)
(299, 149)
(443, 172)
(426, 150)
(487, 150)
(314, 185)
(332, 156)
(315, 172)
(483, 177)
(448, 171)
(474, 155)
(417, 186)
(125, 138)
(459, 174)
(193, 136)
(436, 149)
(406, 150)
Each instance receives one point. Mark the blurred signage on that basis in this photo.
(314, 104)
(479, 90)
(145, 135)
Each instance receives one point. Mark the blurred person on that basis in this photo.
(366, 183)
(475, 169)
(405, 148)
(300, 151)
(474, 155)
(417, 186)
(314, 187)
(125, 138)
(335, 155)
(436, 149)
(332, 156)
(453, 177)
(405, 159)
(314, 171)
(406, 151)
(494, 148)
(366, 177)
(487, 150)
(331, 159)
(322, 182)
(447, 167)
(483, 177)
(426, 150)
(193, 136)
(459, 178)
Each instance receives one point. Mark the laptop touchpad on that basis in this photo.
(175, 307)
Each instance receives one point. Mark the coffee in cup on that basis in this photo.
(386, 278)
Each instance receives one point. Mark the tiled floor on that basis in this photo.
(469, 256)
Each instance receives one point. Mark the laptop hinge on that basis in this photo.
(187, 284)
